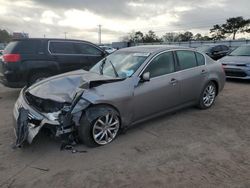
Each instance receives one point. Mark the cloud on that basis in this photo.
(49, 17)
(79, 18)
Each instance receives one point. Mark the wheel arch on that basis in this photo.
(90, 108)
(216, 85)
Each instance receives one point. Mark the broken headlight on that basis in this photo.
(53, 116)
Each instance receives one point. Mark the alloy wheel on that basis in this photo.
(106, 128)
(209, 95)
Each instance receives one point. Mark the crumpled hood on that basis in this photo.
(235, 59)
(63, 87)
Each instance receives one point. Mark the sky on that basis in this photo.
(79, 19)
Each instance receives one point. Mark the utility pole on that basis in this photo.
(100, 34)
(65, 35)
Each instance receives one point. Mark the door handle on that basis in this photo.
(173, 81)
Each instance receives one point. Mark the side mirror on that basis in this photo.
(145, 77)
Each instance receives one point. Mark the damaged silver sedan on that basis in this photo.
(127, 87)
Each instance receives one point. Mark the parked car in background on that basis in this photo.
(108, 49)
(214, 51)
(237, 63)
(127, 87)
(26, 61)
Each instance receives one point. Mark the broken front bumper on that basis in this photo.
(27, 121)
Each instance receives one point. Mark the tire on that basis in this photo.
(100, 131)
(38, 77)
(208, 95)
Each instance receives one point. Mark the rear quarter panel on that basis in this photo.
(216, 73)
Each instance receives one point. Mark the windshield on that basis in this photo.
(204, 48)
(120, 64)
(241, 51)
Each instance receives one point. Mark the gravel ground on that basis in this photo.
(190, 148)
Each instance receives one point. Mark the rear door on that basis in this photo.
(161, 92)
(193, 74)
(65, 53)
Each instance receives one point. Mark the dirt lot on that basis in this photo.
(190, 148)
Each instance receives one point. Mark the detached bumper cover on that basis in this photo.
(27, 122)
(21, 129)
(24, 130)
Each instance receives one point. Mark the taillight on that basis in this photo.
(11, 58)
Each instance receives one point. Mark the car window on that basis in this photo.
(217, 48)
(28, 46)
(200, 59)
(62, 48)
(162, 64)
(241, 51)
(84, 48)
(186, 59)
(10, 47)
(124, 63)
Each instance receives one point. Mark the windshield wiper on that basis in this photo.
(116, 73)
(102, 66)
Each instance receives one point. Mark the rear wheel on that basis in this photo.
(102, 130)
(208, 95)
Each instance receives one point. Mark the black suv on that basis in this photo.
(26, 61)
(214, 51)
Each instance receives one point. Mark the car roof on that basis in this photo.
(152, 48)
(46, 39)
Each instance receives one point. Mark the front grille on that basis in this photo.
(235, 73)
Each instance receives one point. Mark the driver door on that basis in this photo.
(161, 92)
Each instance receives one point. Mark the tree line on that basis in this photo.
(232, 27)
(5, 36)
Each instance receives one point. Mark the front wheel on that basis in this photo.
(208, 95)
(100, 131)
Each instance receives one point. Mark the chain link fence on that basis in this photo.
(195, 44)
